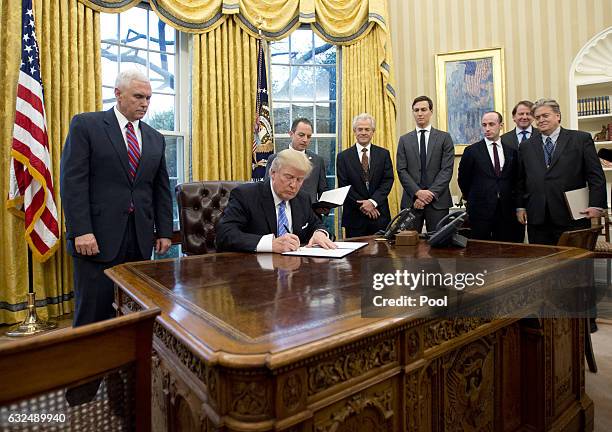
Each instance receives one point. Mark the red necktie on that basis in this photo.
(133, 149)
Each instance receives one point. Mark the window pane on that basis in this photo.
(108, 28)
(280, 82)
(302, 110)
(279, 52)
(303, 83)
(161, 73)
(325, 53)
(132, 58)
(282, 122)
(162, 36)
(301, 46)
(172, 156)
(325, 82)
(326, 148)
(108, 97)
(161, 112)
(109, 64)
(326, 118)
(281, 144)
(133, 27)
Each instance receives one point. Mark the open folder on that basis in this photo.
(577, 200)
(332, 198)
(342, 250)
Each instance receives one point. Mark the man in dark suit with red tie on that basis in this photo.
(557, 161)
(115, 194)
(487, 176)
(367, 168)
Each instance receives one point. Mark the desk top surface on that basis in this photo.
(238, 308)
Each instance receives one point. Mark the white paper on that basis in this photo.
(342, 250)
(577, 200)
(335, 196)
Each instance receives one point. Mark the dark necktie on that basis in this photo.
(365, 165)
(133, 149)
(549, 148)
(423, 155)
(496, 165)
(524, 133)
(281, 227)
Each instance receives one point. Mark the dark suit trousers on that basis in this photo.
(370, 229)
(94, 292)
(498, 227)
(549, 234)
(430, 216)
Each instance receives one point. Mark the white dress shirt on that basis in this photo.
(500, 152)
(123, 122)
(427, 133)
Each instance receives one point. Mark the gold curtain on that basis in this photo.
(68, 34)
(366, 88)
(223, 102)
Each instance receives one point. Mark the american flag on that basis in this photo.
(31, 180)
(477, 73)
(263, 145)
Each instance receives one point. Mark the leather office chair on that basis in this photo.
(201, 204)
(585, 239)
(106, 366)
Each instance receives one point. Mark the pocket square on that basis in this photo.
(304, 227)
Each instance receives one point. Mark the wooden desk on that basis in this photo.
(241, 347)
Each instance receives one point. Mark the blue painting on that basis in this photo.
(469, 94)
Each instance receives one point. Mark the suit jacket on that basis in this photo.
(574, 165)
(349, 171)
(316, 183)
(482, 188)
(96, 188)
(440, 160)
(250, 214)
(510, 139)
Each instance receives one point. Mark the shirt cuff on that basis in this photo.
(323, 231)
(521, 208)
(373, 202)
(265, 243)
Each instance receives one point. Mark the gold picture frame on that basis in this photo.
(468, 83)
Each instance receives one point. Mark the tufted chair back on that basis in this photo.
(201, 204)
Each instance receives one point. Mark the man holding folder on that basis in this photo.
(273, 215)
(558, 161)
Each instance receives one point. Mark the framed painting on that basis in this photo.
(468, 84)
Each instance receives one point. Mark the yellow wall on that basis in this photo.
(540, 40)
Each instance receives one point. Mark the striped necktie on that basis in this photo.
(282, 222)
(133, 149)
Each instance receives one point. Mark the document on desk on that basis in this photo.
(577, 200)
(332, 198)
(342, 250)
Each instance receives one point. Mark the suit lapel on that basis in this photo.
(507, 156)
(483, 152)
(116, 137)
(433, 141)
(354, 160)
(145, 149)
(514, 139)
(562, 140)
(267, 205)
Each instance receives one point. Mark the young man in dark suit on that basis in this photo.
(273, 215)
(487, 177)
(367, 168)
(425, 158)
(115, 193)
(559, 160)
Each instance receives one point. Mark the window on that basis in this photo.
(138, 38)
(303, 81)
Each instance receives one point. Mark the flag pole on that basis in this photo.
(32, 324)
